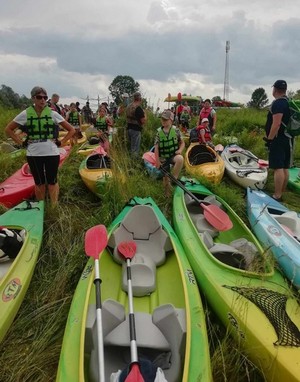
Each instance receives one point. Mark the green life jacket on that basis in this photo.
(74, 118)
(168, 144)
(40, 127)
(101, 123)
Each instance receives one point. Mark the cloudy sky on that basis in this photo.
(76, 48)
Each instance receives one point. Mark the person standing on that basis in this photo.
(135, 120)
(278, 142)
(74, 118)
(54, 103)
(168, 147)
(39, 122)
(87, 113)
(208, 112)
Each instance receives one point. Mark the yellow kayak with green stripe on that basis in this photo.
(169, 317)
(249, 295)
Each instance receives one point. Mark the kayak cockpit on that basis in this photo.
(238, 253)
(161, 338)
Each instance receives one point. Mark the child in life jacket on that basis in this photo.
(74, 118)
(11, 242)
(103, 123)
(204, 134)
(168, 146)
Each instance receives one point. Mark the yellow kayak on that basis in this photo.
(203, 161)
(94, 171)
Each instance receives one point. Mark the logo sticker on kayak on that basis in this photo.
(274, 230)
(190, 276)
(11, 290)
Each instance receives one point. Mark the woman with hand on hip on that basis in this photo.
(40, 123)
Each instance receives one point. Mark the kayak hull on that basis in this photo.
(204, 161)
(245, 298)
(266, 217)
(15, 275)
(183, 297)
(243, 170)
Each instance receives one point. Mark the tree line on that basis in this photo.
(125, 86)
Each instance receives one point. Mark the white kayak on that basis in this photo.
(244, 168)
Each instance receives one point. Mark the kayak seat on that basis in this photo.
(143, 275)
(291, 220)
(160, 338)
(141, 225)
(238, 254)
(113, 313)
(97, 161)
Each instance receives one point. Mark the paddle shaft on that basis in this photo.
(249, 155)
(97, 283)
(132, 332)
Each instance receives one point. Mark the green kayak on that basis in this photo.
(169, 318)
(294, 179)
(250, 297)
(15, 274)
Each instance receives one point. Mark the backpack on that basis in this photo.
(293, 126)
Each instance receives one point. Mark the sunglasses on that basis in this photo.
(41, 97)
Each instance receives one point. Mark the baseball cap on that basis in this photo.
(204, 120)
(280, 84)
(167, 114)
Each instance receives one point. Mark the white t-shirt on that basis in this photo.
(38, 149)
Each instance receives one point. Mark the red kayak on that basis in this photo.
(20, 185)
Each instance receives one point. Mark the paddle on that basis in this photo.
(261, 162)
(128, 249)
(95, 243)
(212, 213)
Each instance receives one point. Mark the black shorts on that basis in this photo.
(280, 153)
(44, 169)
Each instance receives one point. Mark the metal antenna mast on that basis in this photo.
(226, 78)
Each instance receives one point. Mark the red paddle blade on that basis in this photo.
(263, 163)
(217, 217)
(95, 241)
(135, 374)
(150, 157)
(127, 249)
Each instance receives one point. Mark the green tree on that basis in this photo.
(121, 85)
(259, 99)
(9, 99)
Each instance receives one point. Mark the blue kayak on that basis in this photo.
(278, 229)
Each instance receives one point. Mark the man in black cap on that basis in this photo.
(277, 140)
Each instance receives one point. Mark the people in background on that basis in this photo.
(168, 146)
(87, 113)
(207, 111)
(74, 118)
(136, 118)
(203, 131)
(39, 122)
(278, 142)
(53, 103)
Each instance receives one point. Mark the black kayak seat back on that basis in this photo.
(97, 161)
(158, 334)
(200, 154)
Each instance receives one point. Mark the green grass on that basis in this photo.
(31, 349)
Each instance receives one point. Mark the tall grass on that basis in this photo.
(31, 349)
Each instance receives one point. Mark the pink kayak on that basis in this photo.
(20, 185)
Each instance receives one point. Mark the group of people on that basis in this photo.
(41, 120)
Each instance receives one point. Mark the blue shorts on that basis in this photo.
(280, 153)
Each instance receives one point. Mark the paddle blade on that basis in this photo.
(263, 163)
(127, 249)
(135, 374)
(217, 217)
(95, 241)
(149, 157)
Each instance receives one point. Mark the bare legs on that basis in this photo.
(53, 190)
(281, 177)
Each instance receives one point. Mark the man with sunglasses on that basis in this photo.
(39, 123)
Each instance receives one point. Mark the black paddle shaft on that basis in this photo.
(179, 184)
